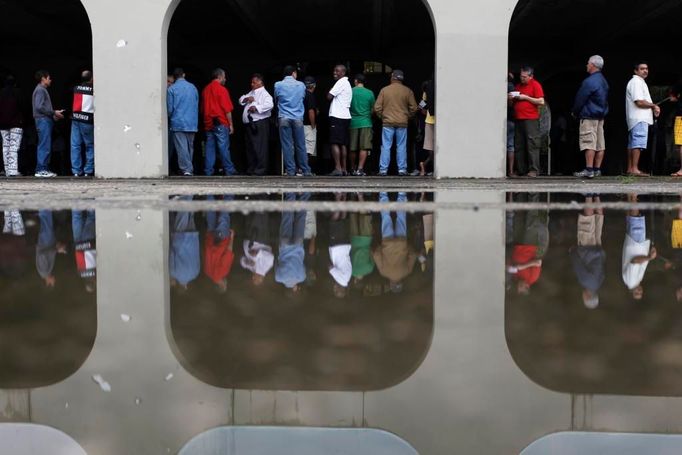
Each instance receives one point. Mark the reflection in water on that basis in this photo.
(335, 304)
(603, 316)
(48, 314)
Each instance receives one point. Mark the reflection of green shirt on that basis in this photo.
(361, 108)
(360, 255)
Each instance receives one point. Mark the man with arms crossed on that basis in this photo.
(341, 96)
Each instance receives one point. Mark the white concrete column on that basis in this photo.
(471, 73)
(129, 64)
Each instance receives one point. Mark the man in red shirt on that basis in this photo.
(217, 114)
(527, 99)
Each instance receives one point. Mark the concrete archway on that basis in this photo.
(239, 37)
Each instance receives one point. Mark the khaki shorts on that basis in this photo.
(592, 135)
(590, 230)
(310, 140)
(361, 139)
(429, 136)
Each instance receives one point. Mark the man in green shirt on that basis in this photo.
(361, 133)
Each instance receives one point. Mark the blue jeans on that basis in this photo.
(82, 133)
(219, 223)
(387, 135)
(83, 225)
(292, 135)
(44, 127)
(184, 147)
(46, 234)
(218, 140)
(390, 230)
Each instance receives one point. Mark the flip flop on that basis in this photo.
(676, 174)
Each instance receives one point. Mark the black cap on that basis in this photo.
(309, 80)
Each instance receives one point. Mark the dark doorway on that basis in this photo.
(557, 38)
(55, 36)
(262, 36)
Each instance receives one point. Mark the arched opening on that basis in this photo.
(52, 36)
(255, 305)
(246, 37)
(557, 39)
(49, 306)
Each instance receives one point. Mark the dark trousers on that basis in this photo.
(527, 144)
(257, 140)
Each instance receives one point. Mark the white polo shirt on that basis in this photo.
(343, 95)
(637, 91)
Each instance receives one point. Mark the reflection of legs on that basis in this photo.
(387, 231)
(46, 236)
(14, 223)
(401, 218)
(184, 222)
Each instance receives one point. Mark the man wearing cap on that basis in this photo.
(396, 105)
(340, 96)
(361, 133)
(310, 117)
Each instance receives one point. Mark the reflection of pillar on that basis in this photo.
(146, 410)
(15, 405)
(472, 397)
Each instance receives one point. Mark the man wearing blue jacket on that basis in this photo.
(591, 107)
(183, 116)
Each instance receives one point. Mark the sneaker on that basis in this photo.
(360, 173)
(336, 173)
(45, 174)
(77, 175)
(584, 174)
(87, 174)
(299, 174)
(309, 174)
(382, 174)
(597, 173)
(402, 173)
(415, 173)
(187, 174)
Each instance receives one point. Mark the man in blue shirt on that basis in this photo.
(183, 116)
(591, 107)
(289, 96)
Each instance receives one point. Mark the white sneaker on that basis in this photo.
(45, 174)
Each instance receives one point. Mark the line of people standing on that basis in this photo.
(350, 122)
(45, 116)
(591, 107)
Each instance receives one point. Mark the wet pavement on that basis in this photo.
(438, 322)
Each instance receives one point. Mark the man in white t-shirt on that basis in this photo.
(637, 252)
(341, 96)
(640, 112)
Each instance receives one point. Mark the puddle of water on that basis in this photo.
(324, 312)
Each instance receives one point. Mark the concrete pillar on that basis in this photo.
(471, 73)
(129, 64)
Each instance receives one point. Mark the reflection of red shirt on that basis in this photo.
(216, 103)
(523, 254)
(218, 258)
(525, 110)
